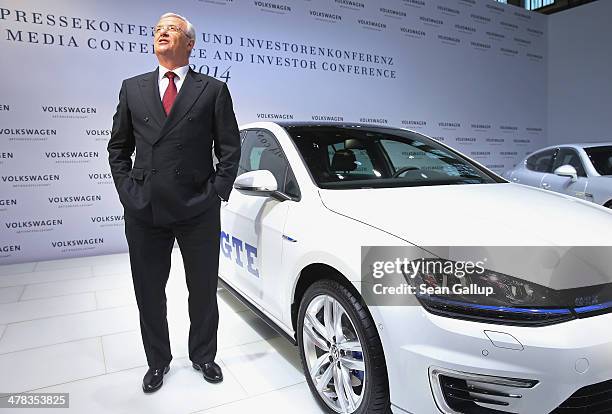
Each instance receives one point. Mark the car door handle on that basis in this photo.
(545, 185)
(515, 179)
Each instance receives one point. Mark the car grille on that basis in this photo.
(592, 399)
(464, 398)
(457, 392)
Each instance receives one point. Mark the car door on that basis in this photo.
(252, 226)
(535, 169)
(566, 185)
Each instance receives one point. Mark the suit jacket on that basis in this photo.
(173, 177)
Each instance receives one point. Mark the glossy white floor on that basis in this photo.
(72, 326)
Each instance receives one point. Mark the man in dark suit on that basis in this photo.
(173, 117)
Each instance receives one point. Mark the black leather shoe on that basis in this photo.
(154, 379)
(211, 371)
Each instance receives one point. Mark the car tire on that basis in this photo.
(356, 345)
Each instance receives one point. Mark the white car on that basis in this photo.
(309, 196)
(578, 170)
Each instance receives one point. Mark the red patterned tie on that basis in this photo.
(170, 94)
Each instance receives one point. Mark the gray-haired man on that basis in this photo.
(173, 117)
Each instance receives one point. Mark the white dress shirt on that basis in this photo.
(178, 79)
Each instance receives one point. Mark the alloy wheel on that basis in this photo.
(334, 354)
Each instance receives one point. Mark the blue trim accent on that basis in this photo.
(289, 238)
(593, 308)
(533, 311)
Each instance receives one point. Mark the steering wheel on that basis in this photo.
(403, 170)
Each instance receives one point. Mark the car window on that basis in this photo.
(601, 158)
(350, 161)
(569, 156)
(261, 151)
(541, 161)
(340, 157)
(414, 157)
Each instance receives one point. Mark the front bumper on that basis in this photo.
(562, 358)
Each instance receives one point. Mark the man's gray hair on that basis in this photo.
(190, 32)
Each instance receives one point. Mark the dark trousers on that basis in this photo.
(150, 250)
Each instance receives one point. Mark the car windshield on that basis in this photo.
(340, 157)
(601, 158)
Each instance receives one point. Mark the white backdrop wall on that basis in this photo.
(579, 74)
(449, 68)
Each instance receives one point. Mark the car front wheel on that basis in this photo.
(341, 352)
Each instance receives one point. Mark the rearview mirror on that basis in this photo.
(567, 171)
(256, 183)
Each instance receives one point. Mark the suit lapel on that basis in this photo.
(190, 91)
(149, 89)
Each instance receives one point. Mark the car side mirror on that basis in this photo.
(567, 171)
(256, 183)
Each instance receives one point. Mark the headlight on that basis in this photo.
(490, 297)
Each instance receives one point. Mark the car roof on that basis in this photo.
(306, 124)
(579, 145)
(325, 124)
(593, 144)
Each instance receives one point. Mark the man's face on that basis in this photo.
(170, 43)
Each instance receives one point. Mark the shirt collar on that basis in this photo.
(180, 72)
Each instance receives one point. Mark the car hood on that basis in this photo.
(502, 214)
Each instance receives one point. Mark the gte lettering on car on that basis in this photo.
(242, 251)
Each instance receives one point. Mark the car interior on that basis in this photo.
(339, 156)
